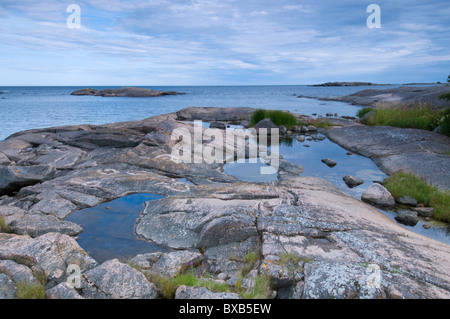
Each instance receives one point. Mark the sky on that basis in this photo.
(222, 42)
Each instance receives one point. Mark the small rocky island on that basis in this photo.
(347, 84)
(125, 92)
(403, 95)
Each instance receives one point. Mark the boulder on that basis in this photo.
(328, 280)
(116, 280)
(406, 200)
(18, 273)
(352, 181)
(175, 263)
(219, 125)
(38, 224)
(283, 129)
(267, 124)
(378, 195)
(13, 178)
(50, 253)
(407, 218)
(424, 211)
(62, 291)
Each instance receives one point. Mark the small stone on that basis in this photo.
(307, 145)
(266, 123)
(378, 195)
(312, 128)
(424, 211)
(219, 125)
(352, 181)
(222, 276)
(406, 200)
(301, 138)
(407, 218)
(283, 129)
(329, 162)
(349, 153)
(62, 291)
(426, 226)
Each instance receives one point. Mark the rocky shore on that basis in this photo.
(311, 240)
(124, 92)
(395, 149)
(403, 95)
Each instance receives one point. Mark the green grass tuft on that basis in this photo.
(420, 116)
(261, 289)
(445, 96)
(168, 286)
(277, 117)
(408, 184)
(26, 290)
(3, 227)
(364, 111)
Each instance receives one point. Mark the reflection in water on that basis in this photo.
(109, 228)
(359, 166)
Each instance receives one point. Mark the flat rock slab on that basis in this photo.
(50, 253)
(397, 96)
(185, 292)
(207, 219)
(116, 280)
(210, 114)
(394, 149)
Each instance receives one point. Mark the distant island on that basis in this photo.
(125, 92)
(404, 95)
(347, 84)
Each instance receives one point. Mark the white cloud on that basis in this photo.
(195, 39)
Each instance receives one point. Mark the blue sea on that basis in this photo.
(23, 108)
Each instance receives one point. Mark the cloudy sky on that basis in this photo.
(222, 42)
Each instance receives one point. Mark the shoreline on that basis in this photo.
(404, 95)
(82, 166)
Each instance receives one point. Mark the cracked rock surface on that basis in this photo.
(309, 238)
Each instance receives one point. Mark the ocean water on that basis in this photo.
(23, 108)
